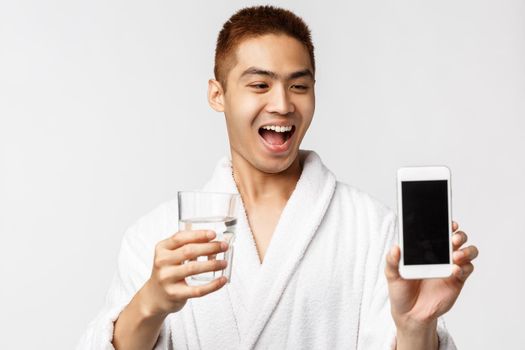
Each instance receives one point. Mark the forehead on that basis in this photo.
(274, 52)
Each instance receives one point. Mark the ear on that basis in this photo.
(215, 95)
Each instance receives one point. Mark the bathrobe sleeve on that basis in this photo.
(133, 269)
(378, 329)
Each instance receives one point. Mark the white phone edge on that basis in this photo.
(422, 173)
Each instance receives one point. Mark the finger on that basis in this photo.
(461, 273)
(194, 250)
(392, 264)
(177, 273)
(458, 239)
(196, 267)
(199, 291)
(184, 237)
(465, 255)
(455, 226)
(189, 252)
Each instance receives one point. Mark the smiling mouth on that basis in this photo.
(277, 138)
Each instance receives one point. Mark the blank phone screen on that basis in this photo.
(425, 222)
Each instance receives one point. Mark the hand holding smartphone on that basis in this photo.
(425, 222)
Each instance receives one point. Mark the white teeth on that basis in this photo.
(278, 128)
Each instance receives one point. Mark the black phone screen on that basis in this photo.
(425, 222)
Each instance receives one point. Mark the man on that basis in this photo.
(309, 268)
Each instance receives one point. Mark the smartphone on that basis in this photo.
(425, 222)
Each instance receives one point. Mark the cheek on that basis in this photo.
(309, 112)
(251, 104)
(244, 110)
(307, 108)
(241, 112)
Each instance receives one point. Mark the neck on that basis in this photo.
(256, 186)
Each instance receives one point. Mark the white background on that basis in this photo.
(104, 116)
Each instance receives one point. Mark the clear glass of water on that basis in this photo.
(210, 211)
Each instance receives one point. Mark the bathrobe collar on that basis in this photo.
(255, 288)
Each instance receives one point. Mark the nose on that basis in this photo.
(280, 101)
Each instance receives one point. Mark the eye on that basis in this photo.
(300, 87)
(259, 86)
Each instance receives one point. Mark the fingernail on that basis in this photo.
(210, 234)
(224, 245)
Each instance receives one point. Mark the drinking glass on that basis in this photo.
(215, 211)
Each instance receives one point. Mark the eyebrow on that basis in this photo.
(273, 75)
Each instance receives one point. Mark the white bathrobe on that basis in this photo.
(321, 284)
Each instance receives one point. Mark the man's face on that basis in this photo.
(272, 84)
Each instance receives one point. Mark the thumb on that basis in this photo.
(392, 264)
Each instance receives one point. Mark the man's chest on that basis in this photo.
(262, 222)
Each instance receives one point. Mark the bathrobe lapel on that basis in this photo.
(256, 289)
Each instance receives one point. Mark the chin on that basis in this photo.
(267, 163)
(275, 165)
